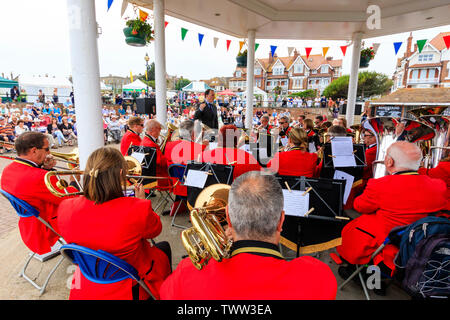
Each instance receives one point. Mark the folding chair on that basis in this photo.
(100, 266)
(24, 210)
(177, 171)
(395, 234)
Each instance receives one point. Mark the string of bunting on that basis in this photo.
(375, 46)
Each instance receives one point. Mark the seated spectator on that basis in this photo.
(6, 132)
(54, 130)
(114, 129)
(20, 128)
(67, 130)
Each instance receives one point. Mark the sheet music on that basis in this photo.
(212, 145)
(284, 141)
(312, 147)
(196, 178)
(348, 182)
(295, 204)
(262, 153)
(342, 151)
(139, 156)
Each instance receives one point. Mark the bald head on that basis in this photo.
(152, 128)
(401, 156)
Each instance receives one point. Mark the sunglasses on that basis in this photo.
(281, 122)
(46, 149)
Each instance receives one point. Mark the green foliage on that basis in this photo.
(370, 83)
(243, 53)
(310, 93)
(368, 53)
(181, 83)
(141, 27)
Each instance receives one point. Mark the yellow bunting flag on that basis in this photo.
(241, 43)
(131, 76)
(143, 15)
(325, 50)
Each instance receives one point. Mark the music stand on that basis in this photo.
(321, 229)
(148, 164)
(217, 173)
(328, 168)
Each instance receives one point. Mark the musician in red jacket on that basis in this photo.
(132, 136)
(441, 171)
(24, 178)
(104, 219)
(296, 160)
(228, 153)
(400, 198)
(255, 269)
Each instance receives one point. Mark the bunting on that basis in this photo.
(215, 41)
(200, 38)
(228, 44)
(165, 24)
(183, 33)
(447, 41)
(397, 46)
(344, 50)
(308, 51)
(256, 46)
(375, 47)
(109, 4)
(241, 43)
(325, 50)
(131, 76)
(143, 15)
(290, 49)
(421, 44)
(272, 50)
(124, 7)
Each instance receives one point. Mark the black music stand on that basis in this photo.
(148, 163)
(320, 229)
(218, 173)
(328, 168)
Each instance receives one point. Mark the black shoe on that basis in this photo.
(165, 213)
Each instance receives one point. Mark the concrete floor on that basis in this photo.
(13, 254)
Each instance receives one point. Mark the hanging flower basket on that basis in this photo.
(241, 59)
(366, 55)
(138, 33)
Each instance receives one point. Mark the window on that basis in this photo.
(298, 68)
(258, 83)
(324, 69)
(313, 71)
(238, 74)
(425, 57)
(278, 71)
(257, 71)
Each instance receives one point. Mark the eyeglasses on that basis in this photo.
(46, 149)
(367, 135)
(281, 122)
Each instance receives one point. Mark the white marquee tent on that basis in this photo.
(196, 86)
(32, 85)
(136, 85)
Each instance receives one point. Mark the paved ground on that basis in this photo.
(13, 254)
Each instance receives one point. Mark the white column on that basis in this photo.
(85, 76)
(160, 62)
(353, 81)
(250, 77)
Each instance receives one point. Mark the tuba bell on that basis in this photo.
(206, 238)
(437, 148)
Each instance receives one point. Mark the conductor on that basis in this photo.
(207, 111)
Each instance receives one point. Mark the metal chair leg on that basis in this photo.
(175, 215)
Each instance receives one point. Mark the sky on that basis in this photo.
(34, 41)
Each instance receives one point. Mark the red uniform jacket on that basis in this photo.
(120, 227)
(161, 161)
(129, 138)
(442, 171)
(241, 160)
(26, 182)
(181, 151)
(294, 163)
(388, 202)
(371, 155)
(251, 275)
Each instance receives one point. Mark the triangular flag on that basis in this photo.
(447, 41)
(200, 38)
(344, 49)
(109, 4)
(397, 46)
(290, 49)
(165, 24)
(131, 76)
(308, 51)
(241, 43)
(375, 47)
(124, 7)
(146, 75)
(183, 33)
(421, 44)
(215, 41)
(143, 15)
(228, 44)
(272, 50)
(325, 50)
(256, 46)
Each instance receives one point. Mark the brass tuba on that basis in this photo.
(437, 148)
(357, 128)
(206, 238)
(171, 128)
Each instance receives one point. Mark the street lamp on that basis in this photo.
(146, 72)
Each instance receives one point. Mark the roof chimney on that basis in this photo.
(408, 46)
(295, 54)
(329, 58)
(270, 57)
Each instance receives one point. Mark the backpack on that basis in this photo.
(424, 256)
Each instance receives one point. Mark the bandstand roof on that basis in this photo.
(302, 19)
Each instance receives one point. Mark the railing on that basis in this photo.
(425, 80)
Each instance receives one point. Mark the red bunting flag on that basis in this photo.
(308, 51)
(165, 24)
(447, 41)
(344, 49)
(228, 44)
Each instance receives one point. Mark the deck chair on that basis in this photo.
(177, 171)
(393, 236)
(100, 266)
(25, 210)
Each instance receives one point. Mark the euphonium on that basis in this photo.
(356, 132)
(171, 128)
(206, 238)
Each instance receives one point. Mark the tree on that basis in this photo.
(310, 93)
(370, 83)
(181, 83)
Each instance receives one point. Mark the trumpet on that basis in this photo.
(206, 238)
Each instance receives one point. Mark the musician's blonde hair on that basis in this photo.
(105, 175)
(299, 138)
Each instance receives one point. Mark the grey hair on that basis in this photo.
(185, 129)
(255, 202)
(405, 154)
(150, 124)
